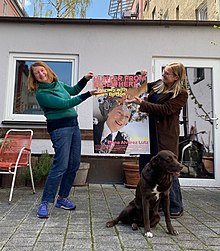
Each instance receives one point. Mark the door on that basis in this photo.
(199, 123)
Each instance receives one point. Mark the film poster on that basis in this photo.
(118, 128)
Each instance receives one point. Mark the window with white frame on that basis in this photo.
(22, 104)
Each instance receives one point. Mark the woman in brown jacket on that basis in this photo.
(166, 98)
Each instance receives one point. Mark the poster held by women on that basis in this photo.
(118, 128)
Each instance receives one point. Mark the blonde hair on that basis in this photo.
(32, 82)
(179, 70)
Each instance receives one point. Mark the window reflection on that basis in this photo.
(197, 143)
(24, 101)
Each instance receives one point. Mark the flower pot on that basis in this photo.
(131, 171)
(81, 175)
(208, 164)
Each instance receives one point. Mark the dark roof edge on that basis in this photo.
(107, 21)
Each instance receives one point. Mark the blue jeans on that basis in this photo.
(67, 146)
(176, 204)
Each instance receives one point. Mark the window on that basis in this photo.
(177, 12)
(154, 13)
(5, 8)
(137, 9)
(166, 15)
(21, 104)
(202, 12)
(199, 75)
(146, 5)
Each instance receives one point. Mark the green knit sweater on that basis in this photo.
(55, 98)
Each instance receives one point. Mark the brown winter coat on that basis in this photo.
(166, 111)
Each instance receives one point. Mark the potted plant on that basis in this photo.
(41, 167)
(208, 156)
(82, 174)
(131, 171)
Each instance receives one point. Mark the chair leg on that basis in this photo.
(31, 173)
(12, 185)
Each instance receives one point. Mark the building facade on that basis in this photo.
(137, 9)
(12, 8)
(181, 10)
(126, 9)
(120, 47)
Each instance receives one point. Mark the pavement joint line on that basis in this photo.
(90, 219)
(115, 228)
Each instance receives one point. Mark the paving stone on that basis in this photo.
(29, 248)
(84, 229)
(48, 246)
(79, 243)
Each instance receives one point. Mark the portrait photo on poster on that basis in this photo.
(118, 128)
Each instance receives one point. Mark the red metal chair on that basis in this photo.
(15, 152)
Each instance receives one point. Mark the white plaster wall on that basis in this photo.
(105, 49)
(42, 145)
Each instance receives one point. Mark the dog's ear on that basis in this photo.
(155, 160)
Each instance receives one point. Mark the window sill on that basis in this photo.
(16, 122)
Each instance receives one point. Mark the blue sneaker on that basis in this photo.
(42, 211)
(65, 204)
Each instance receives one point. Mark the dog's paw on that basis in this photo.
(173, 232)
(110, 224)
(148, 235)
(134, 226)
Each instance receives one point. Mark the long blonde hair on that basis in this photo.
(179, 70)
(32, 82)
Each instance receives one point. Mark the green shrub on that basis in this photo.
(40, 168)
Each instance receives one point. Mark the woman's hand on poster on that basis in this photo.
(135, 100)
(135, 92)
(144, 72)
(89, 75)
(96, 92)
(131, 93)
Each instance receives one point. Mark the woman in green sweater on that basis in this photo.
(54, 98)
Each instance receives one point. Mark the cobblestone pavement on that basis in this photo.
(84, 229)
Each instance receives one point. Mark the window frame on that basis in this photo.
(9, 116)
(214, 64)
